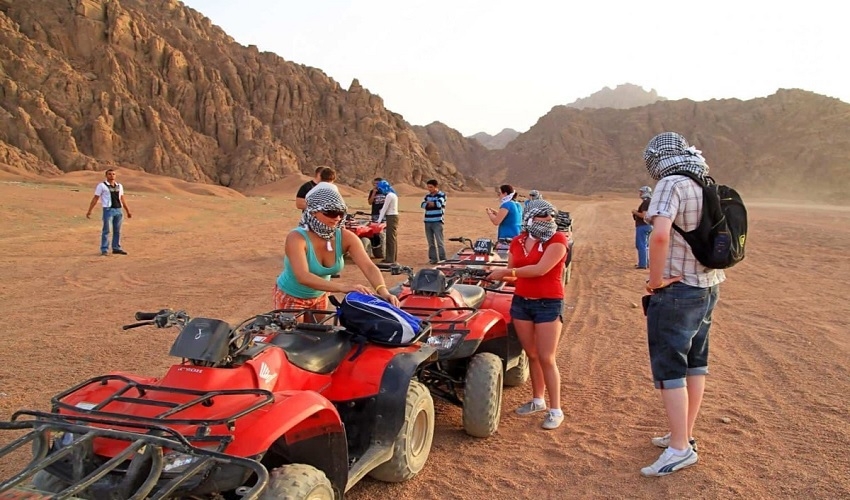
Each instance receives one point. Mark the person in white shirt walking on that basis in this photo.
(110, 193)
(389, 213)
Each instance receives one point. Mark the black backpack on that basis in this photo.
(718, 241)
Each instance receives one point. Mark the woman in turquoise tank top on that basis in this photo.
(314, 252)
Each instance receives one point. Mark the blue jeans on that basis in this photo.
(115, 217)
(434, 235)
(678, 319)
(642, 244)
(537, 310)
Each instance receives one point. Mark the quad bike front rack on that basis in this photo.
(140, 464)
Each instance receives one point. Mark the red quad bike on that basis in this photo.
(483, 250)
(272, 394)
(477, 351)
(369, 231)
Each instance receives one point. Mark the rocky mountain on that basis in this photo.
(498, 141)
(623, 96)
(445, 144)
(154, 85)
(793, 143)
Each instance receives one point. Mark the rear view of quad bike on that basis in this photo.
(476, 350)
(369, 231)
(272, 394)
(482, 250)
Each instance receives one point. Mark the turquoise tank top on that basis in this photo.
(288, 284)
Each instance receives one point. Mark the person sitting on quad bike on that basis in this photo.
(536, 260)
(314, 252)
(509, 215)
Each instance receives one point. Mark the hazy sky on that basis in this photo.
(485, 65)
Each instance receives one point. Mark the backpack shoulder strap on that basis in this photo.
(702, 181)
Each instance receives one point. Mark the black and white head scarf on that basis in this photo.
(538, 229)
(319, 200)
(668, 153)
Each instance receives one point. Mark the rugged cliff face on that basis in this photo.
(153, 85)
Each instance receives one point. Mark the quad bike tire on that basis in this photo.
(47, 482)
(298, 482)
(519, 374)
(367, 245)
(567, 274)
(482, 395)
(413, 443)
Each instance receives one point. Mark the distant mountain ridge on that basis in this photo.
(498, 141)
(624, 96)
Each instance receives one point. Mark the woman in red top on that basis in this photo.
(536, 260)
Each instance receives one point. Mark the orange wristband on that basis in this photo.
(513, 272)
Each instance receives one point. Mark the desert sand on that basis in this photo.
(776, 417)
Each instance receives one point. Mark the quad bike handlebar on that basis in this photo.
(165, 318)
(461, 239)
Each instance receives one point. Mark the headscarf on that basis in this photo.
(668, 153)
(318, 200)
(534, 195)
(646, 192)
(384, 187)
(540, 230)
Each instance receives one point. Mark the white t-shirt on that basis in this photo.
(390, 206)
(102, 190)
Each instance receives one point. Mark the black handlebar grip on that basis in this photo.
(459, 240)
(136, 325)
(145, 316)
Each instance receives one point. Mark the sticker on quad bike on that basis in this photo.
(483, 246)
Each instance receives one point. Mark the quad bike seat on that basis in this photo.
(473, 295)
(315, 352)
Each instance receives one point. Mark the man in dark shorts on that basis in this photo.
(682, 296)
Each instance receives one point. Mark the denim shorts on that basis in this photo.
(537, 310)
(678, 319)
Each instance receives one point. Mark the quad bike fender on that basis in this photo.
(294, 415)
(390, 403)
(507, 347)
(487, 324)
(500, 302)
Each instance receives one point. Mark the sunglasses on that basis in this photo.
(333, 213)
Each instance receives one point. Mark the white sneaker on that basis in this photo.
(669, 463)
(529, 408)
(552, 421)
(664, 441)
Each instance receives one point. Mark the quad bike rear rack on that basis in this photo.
(139, 465)
(137, 393)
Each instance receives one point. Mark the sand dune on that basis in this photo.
(775, 423)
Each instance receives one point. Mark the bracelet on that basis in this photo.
(513, 272)
(378, 288)
(660, 285)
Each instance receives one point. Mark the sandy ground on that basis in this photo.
(775, 421)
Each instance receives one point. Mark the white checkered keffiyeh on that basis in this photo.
(317, 201)
(541, 230)
(668, 153)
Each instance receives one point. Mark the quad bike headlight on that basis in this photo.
(445, 342)
(177, 462)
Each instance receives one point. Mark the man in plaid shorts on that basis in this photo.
(683, 294)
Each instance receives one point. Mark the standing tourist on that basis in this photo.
(376, 199)
(300, 197)
(434, 205)
(536, 261)
(389, 213)
(642, 228)
(509, 215)
(682, 297)
(110, 193)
